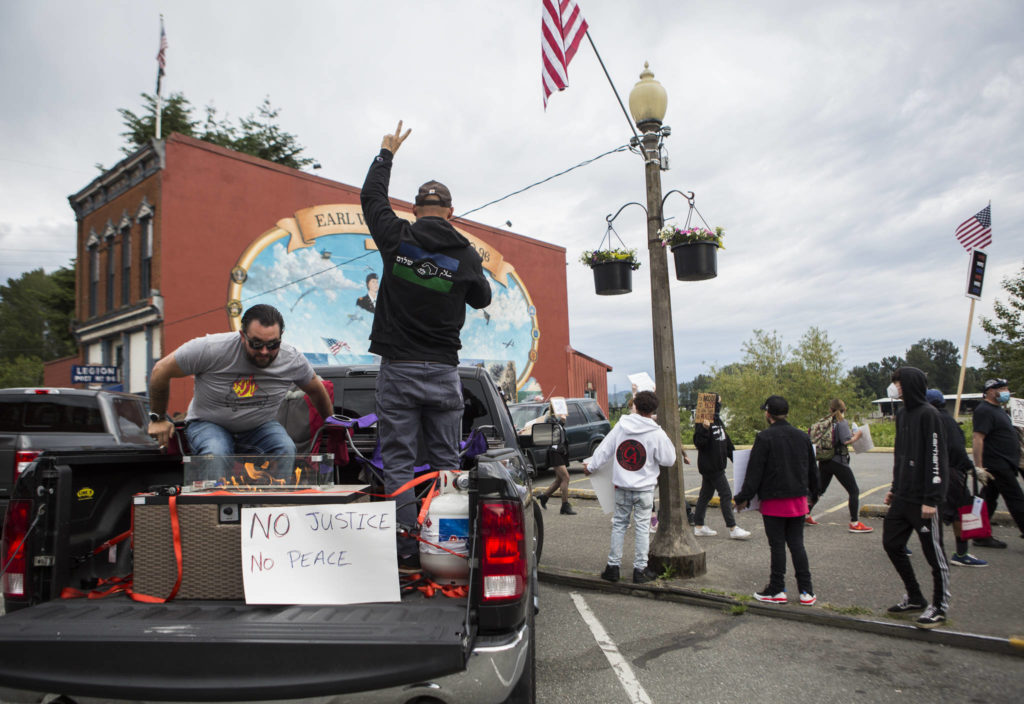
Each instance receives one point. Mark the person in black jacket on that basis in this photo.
(996, 448)
(430, 273)
(920, 475)
(714, 448)
(960, 467)
(781, 474)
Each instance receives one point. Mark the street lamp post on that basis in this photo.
(674, 545)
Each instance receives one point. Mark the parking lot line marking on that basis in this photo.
(844, 504)
(621, 668)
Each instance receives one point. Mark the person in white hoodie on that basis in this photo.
(638, 448)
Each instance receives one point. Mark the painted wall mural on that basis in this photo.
(321, 269)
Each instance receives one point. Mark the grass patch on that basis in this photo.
(668, 572)
(737, 610)
(709, 590)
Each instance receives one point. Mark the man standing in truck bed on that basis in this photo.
(431, 272)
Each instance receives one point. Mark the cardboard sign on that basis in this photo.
(559, 406)
(1017, 411)
(740, 458)
(705, 408)
(320, 554)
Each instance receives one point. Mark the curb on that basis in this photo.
(1000, 518)
(1014, 645)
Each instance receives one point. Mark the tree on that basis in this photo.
(257, 134)
(940, 360)
(1004, 354)
(688, 390)
(870, 379)
(35, 315)
(21, 371)
(809, 376)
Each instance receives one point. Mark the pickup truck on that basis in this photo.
(33, 420)
(475, 648)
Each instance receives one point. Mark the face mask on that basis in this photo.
(1003, 396)
(892, 392)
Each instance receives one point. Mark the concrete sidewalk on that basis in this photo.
(853, 578)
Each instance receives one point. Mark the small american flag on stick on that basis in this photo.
(161, 56)
(562, 28)
(976, 231)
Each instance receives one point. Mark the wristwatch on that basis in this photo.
(156, 417)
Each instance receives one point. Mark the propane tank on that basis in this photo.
(447, 524)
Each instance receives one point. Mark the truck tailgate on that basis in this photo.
(224, 651)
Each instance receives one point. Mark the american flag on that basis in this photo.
(562, 29)
(976, 231)
(334, 346)
(161, 56)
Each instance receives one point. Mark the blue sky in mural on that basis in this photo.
(321, 311)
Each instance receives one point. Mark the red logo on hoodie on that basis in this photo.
(631, 455)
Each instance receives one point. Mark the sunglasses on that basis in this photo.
(260, 344)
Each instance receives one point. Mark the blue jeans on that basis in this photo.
(208, 438)
(415, 397)
(639, 504)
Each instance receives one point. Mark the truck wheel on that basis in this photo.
(525, 691)
(538, 519)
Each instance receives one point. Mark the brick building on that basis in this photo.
(177, 239)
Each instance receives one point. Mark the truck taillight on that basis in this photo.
(503, 558)
(13, 547)
(22, 459)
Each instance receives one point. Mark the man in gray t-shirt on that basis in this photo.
(240, 381)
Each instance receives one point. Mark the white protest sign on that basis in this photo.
(1017, 411)
(864, 442)
(740, 458)
(643, 381)
(601, 483)
(319, 554)
(559, 406)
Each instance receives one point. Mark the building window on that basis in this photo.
(126, 266)
(146, 257)
(110, 275)
(94, 278)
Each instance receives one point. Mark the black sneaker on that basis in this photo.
(933, 616)
(989, 543)
(543, 498)
(567, 509)
(409, 564)
(611, 573)
(907, 605)
(643, 576)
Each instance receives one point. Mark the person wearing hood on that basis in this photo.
(960, 467)
(714, 448)
(781, 474)
(996, 449)
(638, 448)
(431, 273)
(920, 475)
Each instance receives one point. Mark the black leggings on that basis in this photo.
(844, 475)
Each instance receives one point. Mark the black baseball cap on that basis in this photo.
(434, 193)
(776, 405)
(996, 384)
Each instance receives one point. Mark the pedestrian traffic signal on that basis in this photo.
(976, 274)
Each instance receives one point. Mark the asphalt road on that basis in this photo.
(642, 650)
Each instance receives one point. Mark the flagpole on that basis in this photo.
(963, 363)
(621, 105)
(159, 75)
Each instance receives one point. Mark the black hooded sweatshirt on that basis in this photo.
(431, 272)
(714, 446)
(920, 471)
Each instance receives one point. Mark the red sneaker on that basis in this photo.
(809, 520)
(859, 527)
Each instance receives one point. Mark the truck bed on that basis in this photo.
(223, 651)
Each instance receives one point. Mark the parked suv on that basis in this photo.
(585, 427)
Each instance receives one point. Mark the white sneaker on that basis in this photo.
(704, 531)
(738, 533)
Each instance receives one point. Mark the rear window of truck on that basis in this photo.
(39, 414)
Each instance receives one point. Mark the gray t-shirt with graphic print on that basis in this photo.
(229, 389)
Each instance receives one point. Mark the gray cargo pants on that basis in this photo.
(415, 396)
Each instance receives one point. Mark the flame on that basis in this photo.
(244, 388)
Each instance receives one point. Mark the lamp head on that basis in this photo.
(648, 101)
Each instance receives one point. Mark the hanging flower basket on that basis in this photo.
(695, 251)
(613, 270)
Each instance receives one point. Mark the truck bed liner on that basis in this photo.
(120, 648)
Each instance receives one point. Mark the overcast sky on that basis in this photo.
(839, 144)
